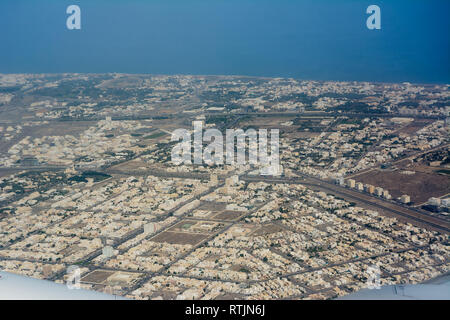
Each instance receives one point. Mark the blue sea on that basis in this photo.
(310, 39)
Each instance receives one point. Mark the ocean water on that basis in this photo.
(310, 39)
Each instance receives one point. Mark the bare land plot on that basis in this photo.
(180, 237)
(97, 276)
(415, 126)
(228, 215)
(212, 206)
(419, 186)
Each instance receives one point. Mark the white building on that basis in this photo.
(108, 251)
(434, 201)
(150, 228)
(405, 199)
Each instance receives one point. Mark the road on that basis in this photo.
(255, 114)
(407, 214)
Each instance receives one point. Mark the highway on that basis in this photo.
(318, 114)
(412, 216)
